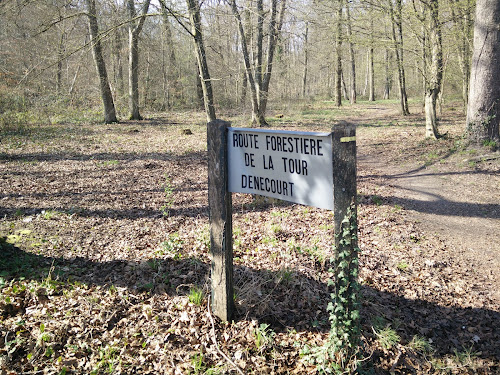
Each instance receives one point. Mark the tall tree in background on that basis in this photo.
(461, 14)
(371, 50)
(338, 54)
(201, 57)
(106, 95)
(171, 78)
(434, 73)
(483, 110)
(134, 29)
(306, 60)
(396, 13)
(260, 76)
(352, 56)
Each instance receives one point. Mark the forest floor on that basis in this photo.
(104, 264)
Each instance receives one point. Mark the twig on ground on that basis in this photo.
(214, 339)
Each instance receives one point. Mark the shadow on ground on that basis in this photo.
(291, 300)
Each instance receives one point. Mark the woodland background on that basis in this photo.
(47, 72)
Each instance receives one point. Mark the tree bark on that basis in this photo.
(352, 56)
(435, 73)
(246, 59)
(388, 75)
(371, 71)
(106, 95)
(306, 58)
(60, 58)
(395, 11)
(483, 110)
(201, 57)
(134, 29)
(173, 86)
(274, 33)
(259, 84)
(117, 63)
(462, 18)
(338, 55)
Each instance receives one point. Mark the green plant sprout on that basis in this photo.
(168, 191)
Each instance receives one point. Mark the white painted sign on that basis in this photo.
(292, 166)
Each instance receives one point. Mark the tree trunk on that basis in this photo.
(147, 82)
(259, 47)
(199, 89)
(117, 63)
(371, 76)
(246, 60)
(244, 85)
(435, 70)
(344, 87)
(206, 83)
(338, 55)
(483, 110)
(371, 72)
(134, 29)
(259, 84)
(397, 38)
(388, 75)
(133, 77)
(106, 96)
(60, 57)
(172, 76)
(352, 57)
(461, 15)
(274, 33)
(306, 58)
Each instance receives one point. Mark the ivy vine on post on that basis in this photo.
(344, 307)
(338, 354)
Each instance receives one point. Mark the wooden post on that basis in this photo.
(344, 171)
(344, 313)
(221, 228)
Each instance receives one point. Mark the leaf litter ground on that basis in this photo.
(105, 247)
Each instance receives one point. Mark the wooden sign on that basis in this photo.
(317, 169)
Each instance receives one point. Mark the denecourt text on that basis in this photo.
(267, 184)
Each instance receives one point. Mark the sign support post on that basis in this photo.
(344, 172)
(221, 231)
(344, 314)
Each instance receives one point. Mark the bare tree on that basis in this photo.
(106, 95)
(134, 29)
(338, 54)
(352, 56)
(461, 12)
(260, 76)
(306, 61)
(371, 50)
(483, 110)
(172, 75)
(201, 57)
(434, 73)
(395, 10)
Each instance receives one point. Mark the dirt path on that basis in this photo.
(454, 197)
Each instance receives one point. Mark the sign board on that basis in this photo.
(292, 166)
